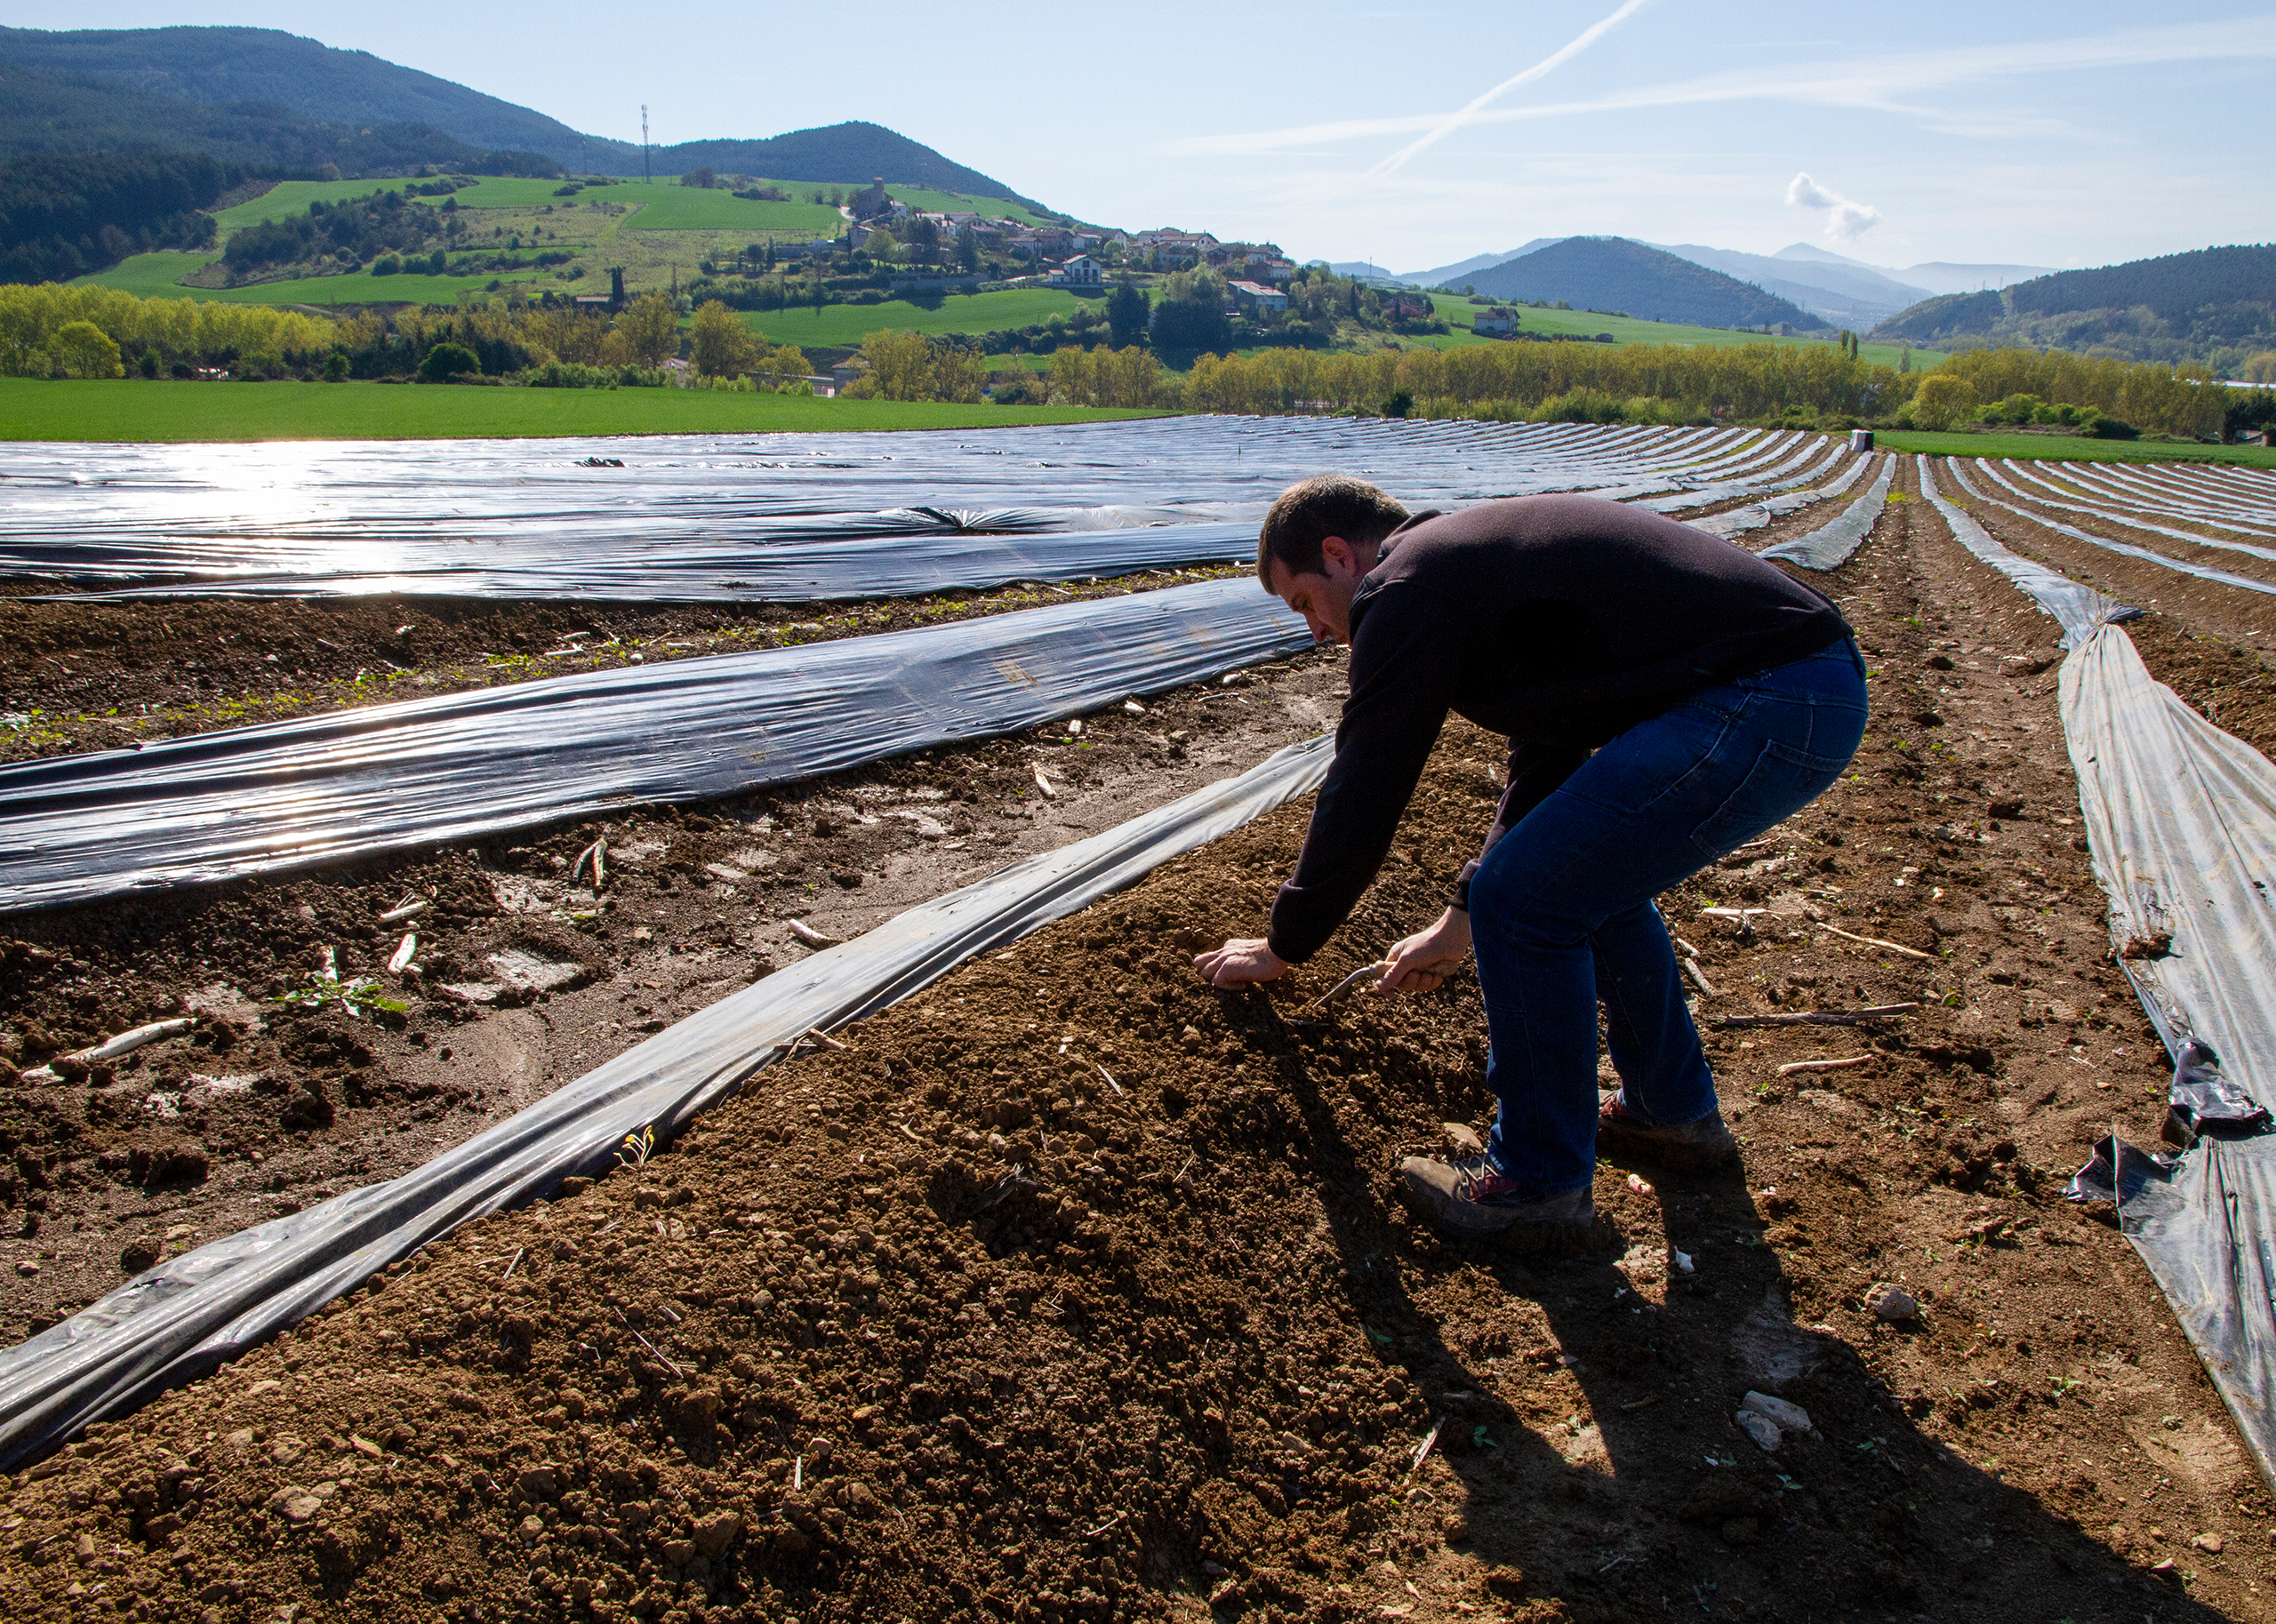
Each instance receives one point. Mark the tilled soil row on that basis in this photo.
(1074, 1290)
(524, 976)
(103, 674)
(2213, 645)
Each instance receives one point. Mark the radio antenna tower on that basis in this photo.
(645, 176)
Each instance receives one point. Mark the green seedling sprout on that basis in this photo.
(360, 996)
(636, 1148)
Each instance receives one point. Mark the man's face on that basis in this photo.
(1324, 598)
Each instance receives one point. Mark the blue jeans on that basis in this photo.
(1561, 911)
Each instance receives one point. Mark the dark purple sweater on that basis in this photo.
(1559, 621)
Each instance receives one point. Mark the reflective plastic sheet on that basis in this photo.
(699, 517)
(2079, 609)
(654, 570)
(1829, 547)
(295, 794)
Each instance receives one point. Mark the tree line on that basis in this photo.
(350, 232)
(49, 330)
(1802, 385)
(2155, 395)
(1810, 385)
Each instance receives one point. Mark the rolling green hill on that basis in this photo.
(839, 325)
(1611, 273)
(834, 154)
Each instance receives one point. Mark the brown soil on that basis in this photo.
(100, 675)
(270, 1106)
(946, 1326)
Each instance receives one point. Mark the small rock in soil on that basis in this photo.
(1892, 1303)
(1762, 1428)
(1782, 1413)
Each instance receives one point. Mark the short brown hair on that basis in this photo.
(1312, 510)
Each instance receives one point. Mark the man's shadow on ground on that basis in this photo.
(1647, 1498)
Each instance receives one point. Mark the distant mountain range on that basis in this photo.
(1613, 274)
(270, 82)
(1843, 291)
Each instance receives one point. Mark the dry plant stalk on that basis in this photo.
(1821, 1018)
(812, 938)
(1791, 1067)
(1875, 941)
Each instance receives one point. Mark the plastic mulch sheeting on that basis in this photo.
(2079, 609)
(2181, 826)
(551, 517)
(1831, 545)
(2202, 571)
(2167, 495)
(1795, 470)
(430, 771)
(1736, 521)
(188, 1314)
(901, 564)
(2043, 500)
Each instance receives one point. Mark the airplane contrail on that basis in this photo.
(1550, 64)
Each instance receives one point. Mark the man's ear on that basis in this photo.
(1337, 553)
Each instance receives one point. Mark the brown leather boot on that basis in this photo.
(1690, 1147)
(1471, 1199)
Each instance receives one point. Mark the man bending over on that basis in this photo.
(1667, 697)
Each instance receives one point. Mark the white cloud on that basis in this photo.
(1845, 221)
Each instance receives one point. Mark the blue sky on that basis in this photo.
(2078, 133)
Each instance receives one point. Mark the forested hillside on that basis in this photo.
(63, 216)
(1614, 275)
(59, 113)
(226, 66)
(2215, 304)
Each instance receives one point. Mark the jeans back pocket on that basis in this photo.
(1782, 781)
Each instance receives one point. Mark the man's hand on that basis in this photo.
(1420, 963)
(1241, 962)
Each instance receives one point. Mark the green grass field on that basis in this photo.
(152, 276)
(955, 202)
(669, 206)
(288, 198)
(514, 192)
(1459, 312)
(132, 410)
(846, 324)
(2070, 448)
